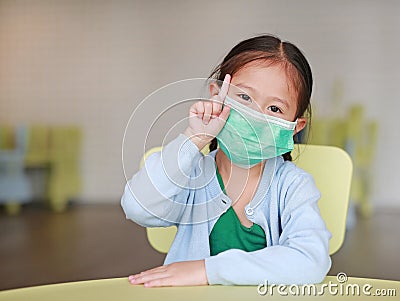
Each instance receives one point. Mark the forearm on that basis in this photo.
(155, 196)
(275, 264)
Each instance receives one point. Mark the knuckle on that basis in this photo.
(156, 283)
(216, 98)
(198, 106)
(215, 103)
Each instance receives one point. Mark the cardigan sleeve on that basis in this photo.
(156, 195)
(302, 255)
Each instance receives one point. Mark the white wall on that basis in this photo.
(91, 62)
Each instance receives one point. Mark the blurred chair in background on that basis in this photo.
(64, 153)
(15, 187)
(37, 162)
(47, 158)
(38, 145)
(358, 137)
(361, 145)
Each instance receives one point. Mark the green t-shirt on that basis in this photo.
(229, 233)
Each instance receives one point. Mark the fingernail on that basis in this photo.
(131, 277)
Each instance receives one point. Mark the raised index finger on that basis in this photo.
(225, 87)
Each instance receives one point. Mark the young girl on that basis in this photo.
(245, 213)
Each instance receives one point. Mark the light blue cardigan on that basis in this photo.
(178, 186)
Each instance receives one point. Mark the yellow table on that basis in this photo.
(119, 289)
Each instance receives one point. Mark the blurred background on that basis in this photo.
(72, 72)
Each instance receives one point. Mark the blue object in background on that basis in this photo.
(15, 187)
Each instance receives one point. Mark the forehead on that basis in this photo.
(267, 78)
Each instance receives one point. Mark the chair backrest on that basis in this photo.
(332, 170)
(159, 238)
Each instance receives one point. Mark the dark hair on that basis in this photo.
(270, 49)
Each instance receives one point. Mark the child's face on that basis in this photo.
(265, 89)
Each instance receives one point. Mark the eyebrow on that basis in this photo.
(283, 101)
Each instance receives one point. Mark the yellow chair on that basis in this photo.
(64, 153)
(37, 153)
(332, 170)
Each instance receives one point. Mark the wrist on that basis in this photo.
(199, 140)
(203, 264)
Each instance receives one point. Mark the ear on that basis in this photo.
(301, 123)
(214, 89)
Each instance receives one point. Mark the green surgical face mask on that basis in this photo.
(250, 137)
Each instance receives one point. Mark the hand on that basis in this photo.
(207, 118)
(174, 274)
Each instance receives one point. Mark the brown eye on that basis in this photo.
(245, 97)
(274, 109)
